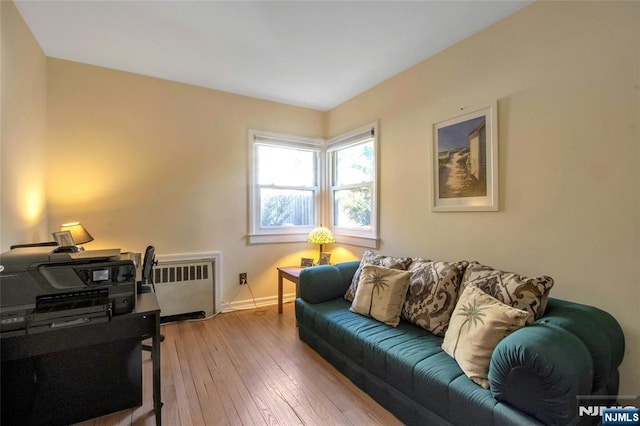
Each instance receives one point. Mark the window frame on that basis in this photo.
(364, 238)
(296, 233)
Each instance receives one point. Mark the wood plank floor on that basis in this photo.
(247, 368)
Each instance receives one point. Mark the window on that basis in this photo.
(285, 187)
(352, 166)
(298, 183)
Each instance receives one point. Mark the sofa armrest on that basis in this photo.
(326, 282)
(540, 369)
(601, 334)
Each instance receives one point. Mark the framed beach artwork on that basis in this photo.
(465, 161)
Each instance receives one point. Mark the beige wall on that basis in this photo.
(23, 217)
(141, 160)
(566, 78)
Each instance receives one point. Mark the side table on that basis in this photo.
(292, 273)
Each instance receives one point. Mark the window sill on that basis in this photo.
(368, 242)
(276, 238)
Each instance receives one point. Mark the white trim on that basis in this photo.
(366, 238)
(260, 302)
(216, 256)
(277, 238)
(352, 137)
(257, 234)
(282, 139)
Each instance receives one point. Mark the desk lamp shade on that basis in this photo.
(78, 233)
(321, 235)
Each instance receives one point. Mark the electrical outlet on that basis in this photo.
(242, 278)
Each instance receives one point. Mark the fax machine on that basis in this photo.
(41, 289)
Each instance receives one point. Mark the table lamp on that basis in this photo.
(78, 233)
(321, 235)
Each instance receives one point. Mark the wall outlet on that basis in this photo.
(242, 278)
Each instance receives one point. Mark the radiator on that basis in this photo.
(186, 284)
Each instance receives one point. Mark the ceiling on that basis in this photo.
(315, 54)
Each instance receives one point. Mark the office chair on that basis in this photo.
(145, 285)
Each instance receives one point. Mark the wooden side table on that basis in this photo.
(292, 273)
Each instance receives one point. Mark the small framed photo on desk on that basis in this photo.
(325, 258)
(63, 238)
(305, 261)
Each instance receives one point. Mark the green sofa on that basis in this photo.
(538, 374)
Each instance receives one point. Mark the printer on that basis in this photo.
(41, 289)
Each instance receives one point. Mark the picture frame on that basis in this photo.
(325, 258)
(465, 161)
(306, 261)
(63, 238)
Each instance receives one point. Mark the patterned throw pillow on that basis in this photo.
(479, 322)
(530, 294)
(370, 258)
(432, 294)
(380, 293)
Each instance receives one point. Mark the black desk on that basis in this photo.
(78, 355)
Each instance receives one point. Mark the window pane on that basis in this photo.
(285, 207)
(286, 166)
(354, 164)
(352, 208)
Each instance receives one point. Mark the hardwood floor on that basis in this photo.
(247, 368)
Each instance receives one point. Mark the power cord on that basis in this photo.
(255, 304)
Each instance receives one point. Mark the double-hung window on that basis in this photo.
(299, 183)
(285, 187)
(352, 172)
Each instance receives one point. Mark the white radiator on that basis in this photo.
(186, 284)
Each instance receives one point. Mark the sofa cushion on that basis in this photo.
(479, 322)
(371, 258)
(432, 294)
(380, 293)
(529, 294)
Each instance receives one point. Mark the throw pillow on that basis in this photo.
(370, 258)
(432, 294)
(380, 293)
(530, 294)
(479, 322)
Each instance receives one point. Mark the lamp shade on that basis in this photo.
(78, 233)
(321, 235)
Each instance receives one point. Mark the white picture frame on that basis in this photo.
(465, 161)
(63, 238)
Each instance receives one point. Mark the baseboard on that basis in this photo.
(238, 305)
